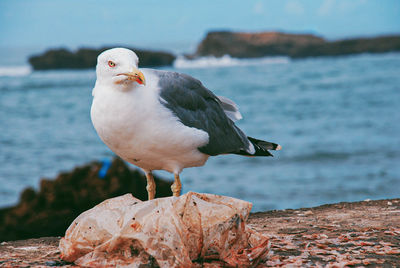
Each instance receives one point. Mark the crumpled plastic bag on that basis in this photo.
(166, 232)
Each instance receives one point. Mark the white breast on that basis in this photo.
(138, 128)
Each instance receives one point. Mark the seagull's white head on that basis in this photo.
(119, 66)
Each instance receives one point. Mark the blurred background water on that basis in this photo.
(337, 119)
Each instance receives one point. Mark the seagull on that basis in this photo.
(162, 120)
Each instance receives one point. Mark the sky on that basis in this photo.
(179, 24)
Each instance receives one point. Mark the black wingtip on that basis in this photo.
(262, 147)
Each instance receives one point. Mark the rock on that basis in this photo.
(367, 233)
(349, 46)
(251, 45)
(50, 211)
(85, 58)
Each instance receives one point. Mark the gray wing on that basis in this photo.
(230, 109)
(198, 107)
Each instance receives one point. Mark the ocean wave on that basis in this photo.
(225, 61)
(15, 70)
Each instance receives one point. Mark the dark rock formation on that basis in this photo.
(349, 46)
(251, 45)
(86, 58)
(50, 211)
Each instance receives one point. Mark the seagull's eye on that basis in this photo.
(111, 64)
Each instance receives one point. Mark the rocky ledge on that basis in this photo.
(85, 58)
(252, 45)
(359, 234)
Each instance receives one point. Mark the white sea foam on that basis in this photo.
(15, 70)
(225, 61)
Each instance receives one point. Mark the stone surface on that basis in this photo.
(50, 211)
(251, 45)
(85, 58)
(353, 234)
(363, 233)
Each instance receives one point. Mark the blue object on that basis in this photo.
(106, 163)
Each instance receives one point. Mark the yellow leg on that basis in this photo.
(151, 185)
(176, 186)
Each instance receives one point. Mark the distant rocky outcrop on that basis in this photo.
(86, 58)
(235, 44)
(50, 211)
(252, 45)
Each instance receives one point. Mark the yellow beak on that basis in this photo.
(136, 75)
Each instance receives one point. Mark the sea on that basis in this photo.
(337, 119)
